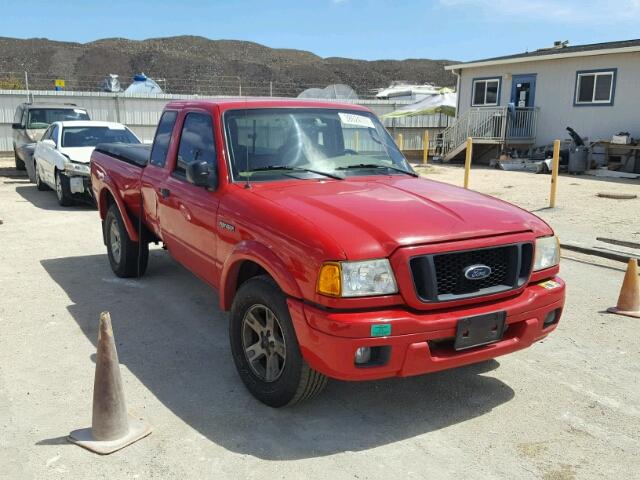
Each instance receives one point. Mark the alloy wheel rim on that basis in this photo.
(263, 343)
(116, 244)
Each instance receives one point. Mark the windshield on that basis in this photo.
(43, 117)
(92, 136)
(278, 143)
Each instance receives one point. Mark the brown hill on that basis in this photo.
(188, 64)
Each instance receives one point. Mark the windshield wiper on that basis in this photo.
(295, 169)
(378, 165)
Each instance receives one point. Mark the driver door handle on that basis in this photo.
(165, 192)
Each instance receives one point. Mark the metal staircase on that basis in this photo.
(490, 125)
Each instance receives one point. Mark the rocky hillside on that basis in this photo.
(198, 65)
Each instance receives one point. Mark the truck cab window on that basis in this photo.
(196, 142)
(163, 135)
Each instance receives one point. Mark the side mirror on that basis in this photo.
(16, 126)
(49, 143)
(202, 174)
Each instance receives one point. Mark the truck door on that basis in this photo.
(155, 173)
(187, 213)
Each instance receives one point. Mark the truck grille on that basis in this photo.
(441, 277)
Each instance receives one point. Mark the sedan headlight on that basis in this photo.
(76, 167)
(547, 253)
(357, 279)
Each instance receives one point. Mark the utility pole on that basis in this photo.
(26, 83)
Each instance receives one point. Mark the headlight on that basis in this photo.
(547, 253)
(74, 167)
(356, 279)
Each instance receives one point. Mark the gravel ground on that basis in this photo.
(567, 408)
(580, 215)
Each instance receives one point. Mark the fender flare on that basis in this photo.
(260, 254)
(102, 206)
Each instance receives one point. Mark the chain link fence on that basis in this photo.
(194, 83)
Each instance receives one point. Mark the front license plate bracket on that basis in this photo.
(480, 330)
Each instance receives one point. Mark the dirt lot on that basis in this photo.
(580, 215)
(568, 407)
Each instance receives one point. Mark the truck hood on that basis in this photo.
(370, 217)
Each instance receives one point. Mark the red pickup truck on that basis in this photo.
(333, 256)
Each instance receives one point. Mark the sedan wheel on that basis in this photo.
(62, 190)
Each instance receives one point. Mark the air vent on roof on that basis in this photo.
(560, 44)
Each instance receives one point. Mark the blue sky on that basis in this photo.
(368, 29)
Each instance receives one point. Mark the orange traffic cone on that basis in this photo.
(112, 428)
(629, 299)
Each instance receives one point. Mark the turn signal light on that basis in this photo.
(329, 281)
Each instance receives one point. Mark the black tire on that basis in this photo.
(19, 163)
(124, 262)
(63, 190)
(40, 185)
(296, 381)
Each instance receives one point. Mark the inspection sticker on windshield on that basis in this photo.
(549, 284)
(357, 120)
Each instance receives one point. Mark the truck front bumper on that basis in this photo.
(420, 342)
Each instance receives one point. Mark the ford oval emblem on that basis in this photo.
(477, 272)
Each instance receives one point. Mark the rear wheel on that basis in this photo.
(40, 185)
(63, 190)
(265, 348)
(19, 163)
(122, 252)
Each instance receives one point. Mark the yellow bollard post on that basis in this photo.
(425, 147)
(555, 166)
(467, 161)
(357, 139)
(400, 142)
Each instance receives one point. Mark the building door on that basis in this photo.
(523, 96)
(523, 90)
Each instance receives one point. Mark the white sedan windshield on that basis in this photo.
(92, 136)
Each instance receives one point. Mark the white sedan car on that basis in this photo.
(62, 155)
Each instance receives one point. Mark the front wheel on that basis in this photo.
(63, 190)
(19, 163)
(123, 253)
(265, 348)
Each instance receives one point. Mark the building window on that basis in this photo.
(486, 92)
(596, 87)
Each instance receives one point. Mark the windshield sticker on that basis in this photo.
(79, 111)
(357, 120)
(115, 127)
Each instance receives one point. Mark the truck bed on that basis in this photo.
(116, 170)
(133, 153)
